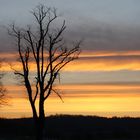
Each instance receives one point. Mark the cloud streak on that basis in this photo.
(88, 61)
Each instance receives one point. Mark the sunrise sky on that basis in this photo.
(105, 80)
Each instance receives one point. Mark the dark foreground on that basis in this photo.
(65, 127)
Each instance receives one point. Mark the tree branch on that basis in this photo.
(58, 95)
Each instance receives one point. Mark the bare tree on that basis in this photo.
(44, 46)
(2, 90)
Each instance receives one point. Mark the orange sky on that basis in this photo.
(95, 61)
(87, 99)
(104, 100)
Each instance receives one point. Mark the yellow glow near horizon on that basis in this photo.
(96, 100)
(89, 105)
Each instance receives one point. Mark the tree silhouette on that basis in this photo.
(45, 47)
(2, 90)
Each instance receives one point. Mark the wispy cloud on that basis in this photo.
(88, 61)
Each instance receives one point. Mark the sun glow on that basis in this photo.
(79, 99)
(87, 99)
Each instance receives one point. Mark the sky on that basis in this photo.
(110, 30)
(105, 25)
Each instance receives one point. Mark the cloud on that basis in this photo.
(88, 61)
(105, 64)
(105, 25)
(104, 37)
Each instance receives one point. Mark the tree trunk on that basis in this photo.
(40, 122)
(39, 129)
(36, 119)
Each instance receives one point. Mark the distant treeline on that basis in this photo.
(67, 127)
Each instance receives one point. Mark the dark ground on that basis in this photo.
(66, 127)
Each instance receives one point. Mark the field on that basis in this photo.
(68, 127)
